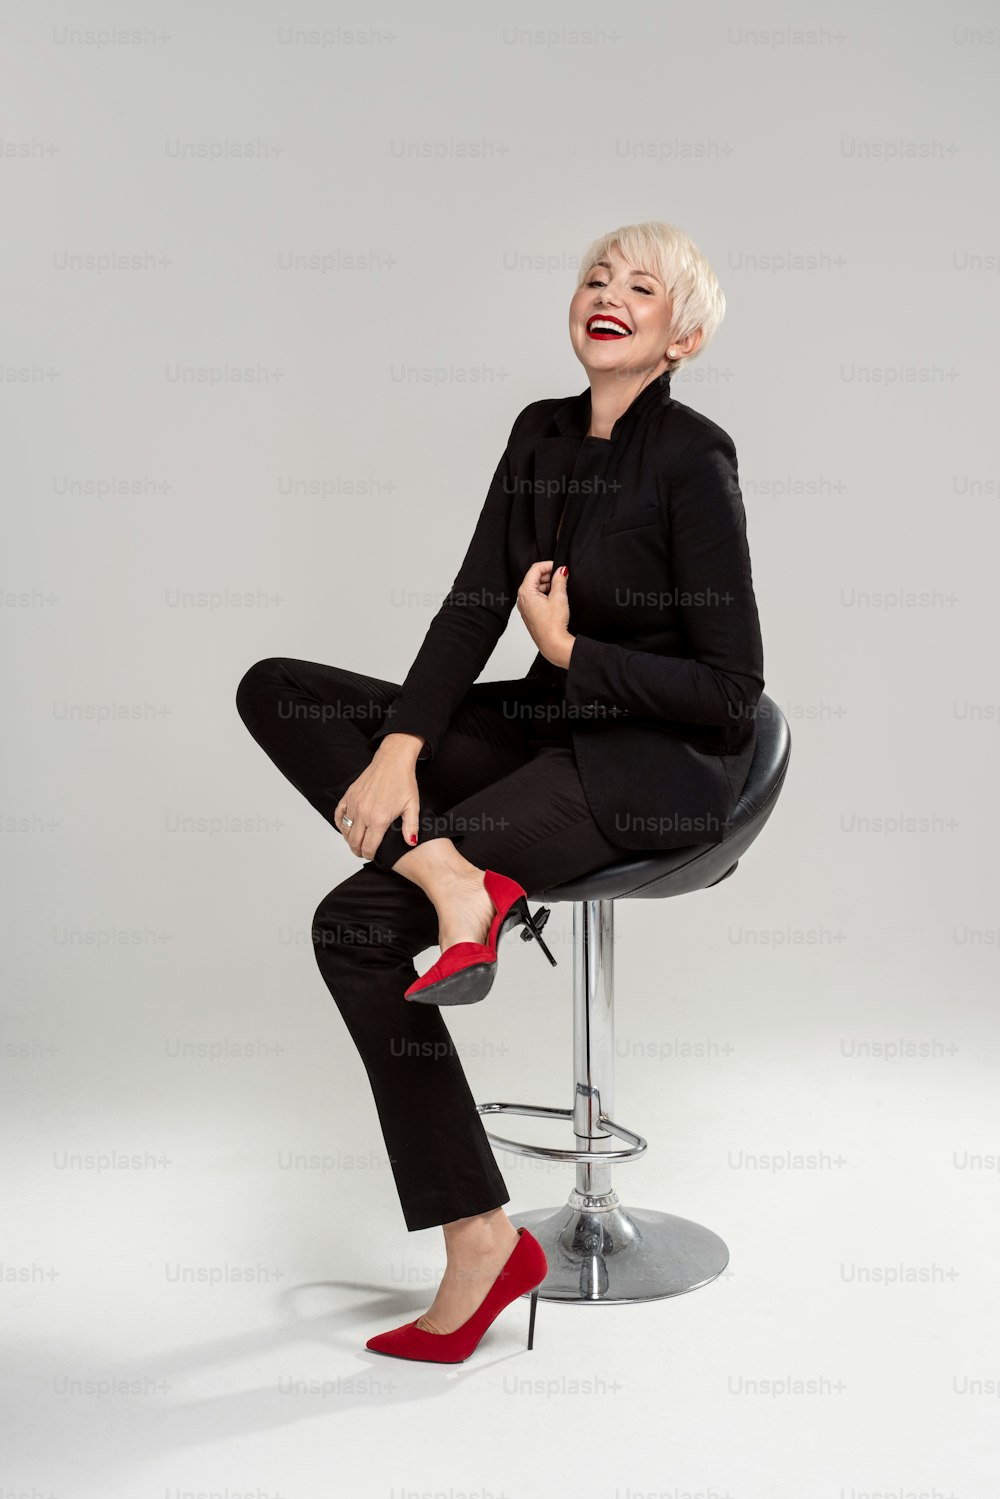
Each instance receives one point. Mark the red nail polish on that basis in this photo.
(413, 837)
(564, 571)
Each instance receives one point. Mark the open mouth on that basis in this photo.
(602, 326)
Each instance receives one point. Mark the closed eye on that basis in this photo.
(644, 289)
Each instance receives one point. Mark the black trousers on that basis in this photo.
(513, 802)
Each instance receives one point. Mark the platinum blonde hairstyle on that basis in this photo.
(685, 274)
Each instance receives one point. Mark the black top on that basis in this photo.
(552, 724)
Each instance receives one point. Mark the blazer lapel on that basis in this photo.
(554, 461)
(595, 469)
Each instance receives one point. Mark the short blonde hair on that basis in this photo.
(680, 266)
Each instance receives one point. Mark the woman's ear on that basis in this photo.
(683, 348)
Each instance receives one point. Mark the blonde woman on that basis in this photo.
(614, 522)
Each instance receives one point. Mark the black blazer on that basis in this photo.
(667, 667)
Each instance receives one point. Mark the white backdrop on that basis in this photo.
(259, 262)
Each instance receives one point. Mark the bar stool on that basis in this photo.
(599, 1250)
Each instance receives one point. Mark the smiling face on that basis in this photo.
(619, 320)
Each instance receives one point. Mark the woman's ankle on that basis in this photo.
(452, 882)
(483, 1230)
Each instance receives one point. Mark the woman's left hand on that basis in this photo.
(543, 604)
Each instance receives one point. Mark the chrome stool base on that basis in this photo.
(599, 1250)
(603, 1252)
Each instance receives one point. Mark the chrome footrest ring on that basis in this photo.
(635, 1143)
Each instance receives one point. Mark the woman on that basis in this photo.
(615, 522)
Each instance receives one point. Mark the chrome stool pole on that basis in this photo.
(599, 1250)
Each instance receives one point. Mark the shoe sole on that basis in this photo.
(474, 983)
(463, 988)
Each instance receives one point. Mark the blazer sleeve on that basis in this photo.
(462, 635)
(721, 680)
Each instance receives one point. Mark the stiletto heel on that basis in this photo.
(525, 1270)
(464, 972)
(533, 928)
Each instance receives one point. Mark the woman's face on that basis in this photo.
(634, 300)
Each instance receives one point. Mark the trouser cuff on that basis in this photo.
(430, 824)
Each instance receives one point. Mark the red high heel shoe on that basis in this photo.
(464, 972)
(525, 1270)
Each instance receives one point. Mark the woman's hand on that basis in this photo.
(543, 604)
(381, 792)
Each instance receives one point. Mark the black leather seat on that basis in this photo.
(678, 871)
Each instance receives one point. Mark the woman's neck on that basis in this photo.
(610, 398)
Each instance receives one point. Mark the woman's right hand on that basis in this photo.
(383, 791)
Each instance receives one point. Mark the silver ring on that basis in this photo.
(346, 822)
